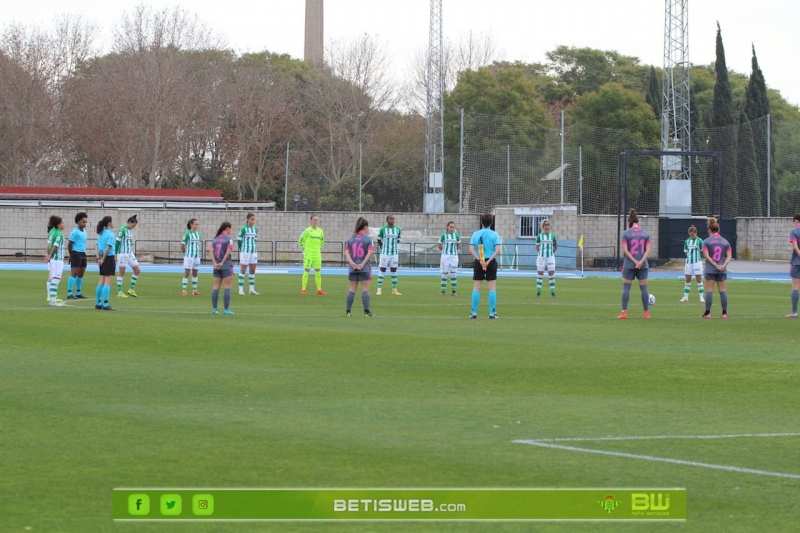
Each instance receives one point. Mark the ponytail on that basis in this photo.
(225, 225)
(191, 221)
(713, 225)
(632, 218)
(53, 222)
(103, 224)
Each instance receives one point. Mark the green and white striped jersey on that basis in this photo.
(546, 243)
(247, 238)
(125, 240)
(389, 237)
(451, 242)
(191, 240)
(56, 238)
(693, 250)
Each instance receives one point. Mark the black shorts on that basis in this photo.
(109, 266)
(478, 273)
(77, 259)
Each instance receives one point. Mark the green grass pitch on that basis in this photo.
(290, 393)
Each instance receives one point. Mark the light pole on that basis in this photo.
(296, 199)
(305, 204)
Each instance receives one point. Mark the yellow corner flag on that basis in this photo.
(580, 243)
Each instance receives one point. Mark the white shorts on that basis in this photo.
(545, 263)
(127, 260)
(448, 263)
(191, 263)
(248, 259)
(55, 268)
(388, 261)
(693, 269)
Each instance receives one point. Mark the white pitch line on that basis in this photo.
(661, 459)
(665, 437)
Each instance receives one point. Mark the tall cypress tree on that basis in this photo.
(750, 204)
(756, 107)
(653, 95)
(723, 136)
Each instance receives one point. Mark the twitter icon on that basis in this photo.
(171, 504)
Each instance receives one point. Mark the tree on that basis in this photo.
(723, 136)
(756, 106)
(654, 93)
(261, 119)
(34, 65)
(153, 43)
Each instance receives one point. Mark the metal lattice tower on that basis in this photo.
(675, 109)
(434, 134)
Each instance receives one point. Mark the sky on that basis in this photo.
(522, 30)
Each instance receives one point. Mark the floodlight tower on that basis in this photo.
(434, 133)
(675, 199)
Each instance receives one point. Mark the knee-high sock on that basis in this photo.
(380, 279)
(394, 281)
(78, 285)
(194, 283)
(476, 301)
(98, 295)
(214, 298)
(454, 279)
(185, 283)
(318, 279)
(687, 287)
(723, 300)
(795, 299)
(106, 294)
(252, 282)
(305, 279)
(365, 300)
(444, 281)
(552, 284)
(538, 284)
(709, 300)
(492, 302)
(626, 295)
(241, 282)
(350, 297)
(134, 279)
(70, 284)
(226, 298)
(119, 284)
(645, 297)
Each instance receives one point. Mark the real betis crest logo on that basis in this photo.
(609, 503)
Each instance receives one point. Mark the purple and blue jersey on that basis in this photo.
(717, 248)
(359, 246)
(794, 236)
(636, 239)
(222, 243)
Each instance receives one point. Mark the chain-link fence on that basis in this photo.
(512, 161)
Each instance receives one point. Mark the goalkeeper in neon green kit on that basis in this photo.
(311, 241)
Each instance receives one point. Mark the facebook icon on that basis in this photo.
(138, 504)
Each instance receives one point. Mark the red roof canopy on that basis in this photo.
(82, 193)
